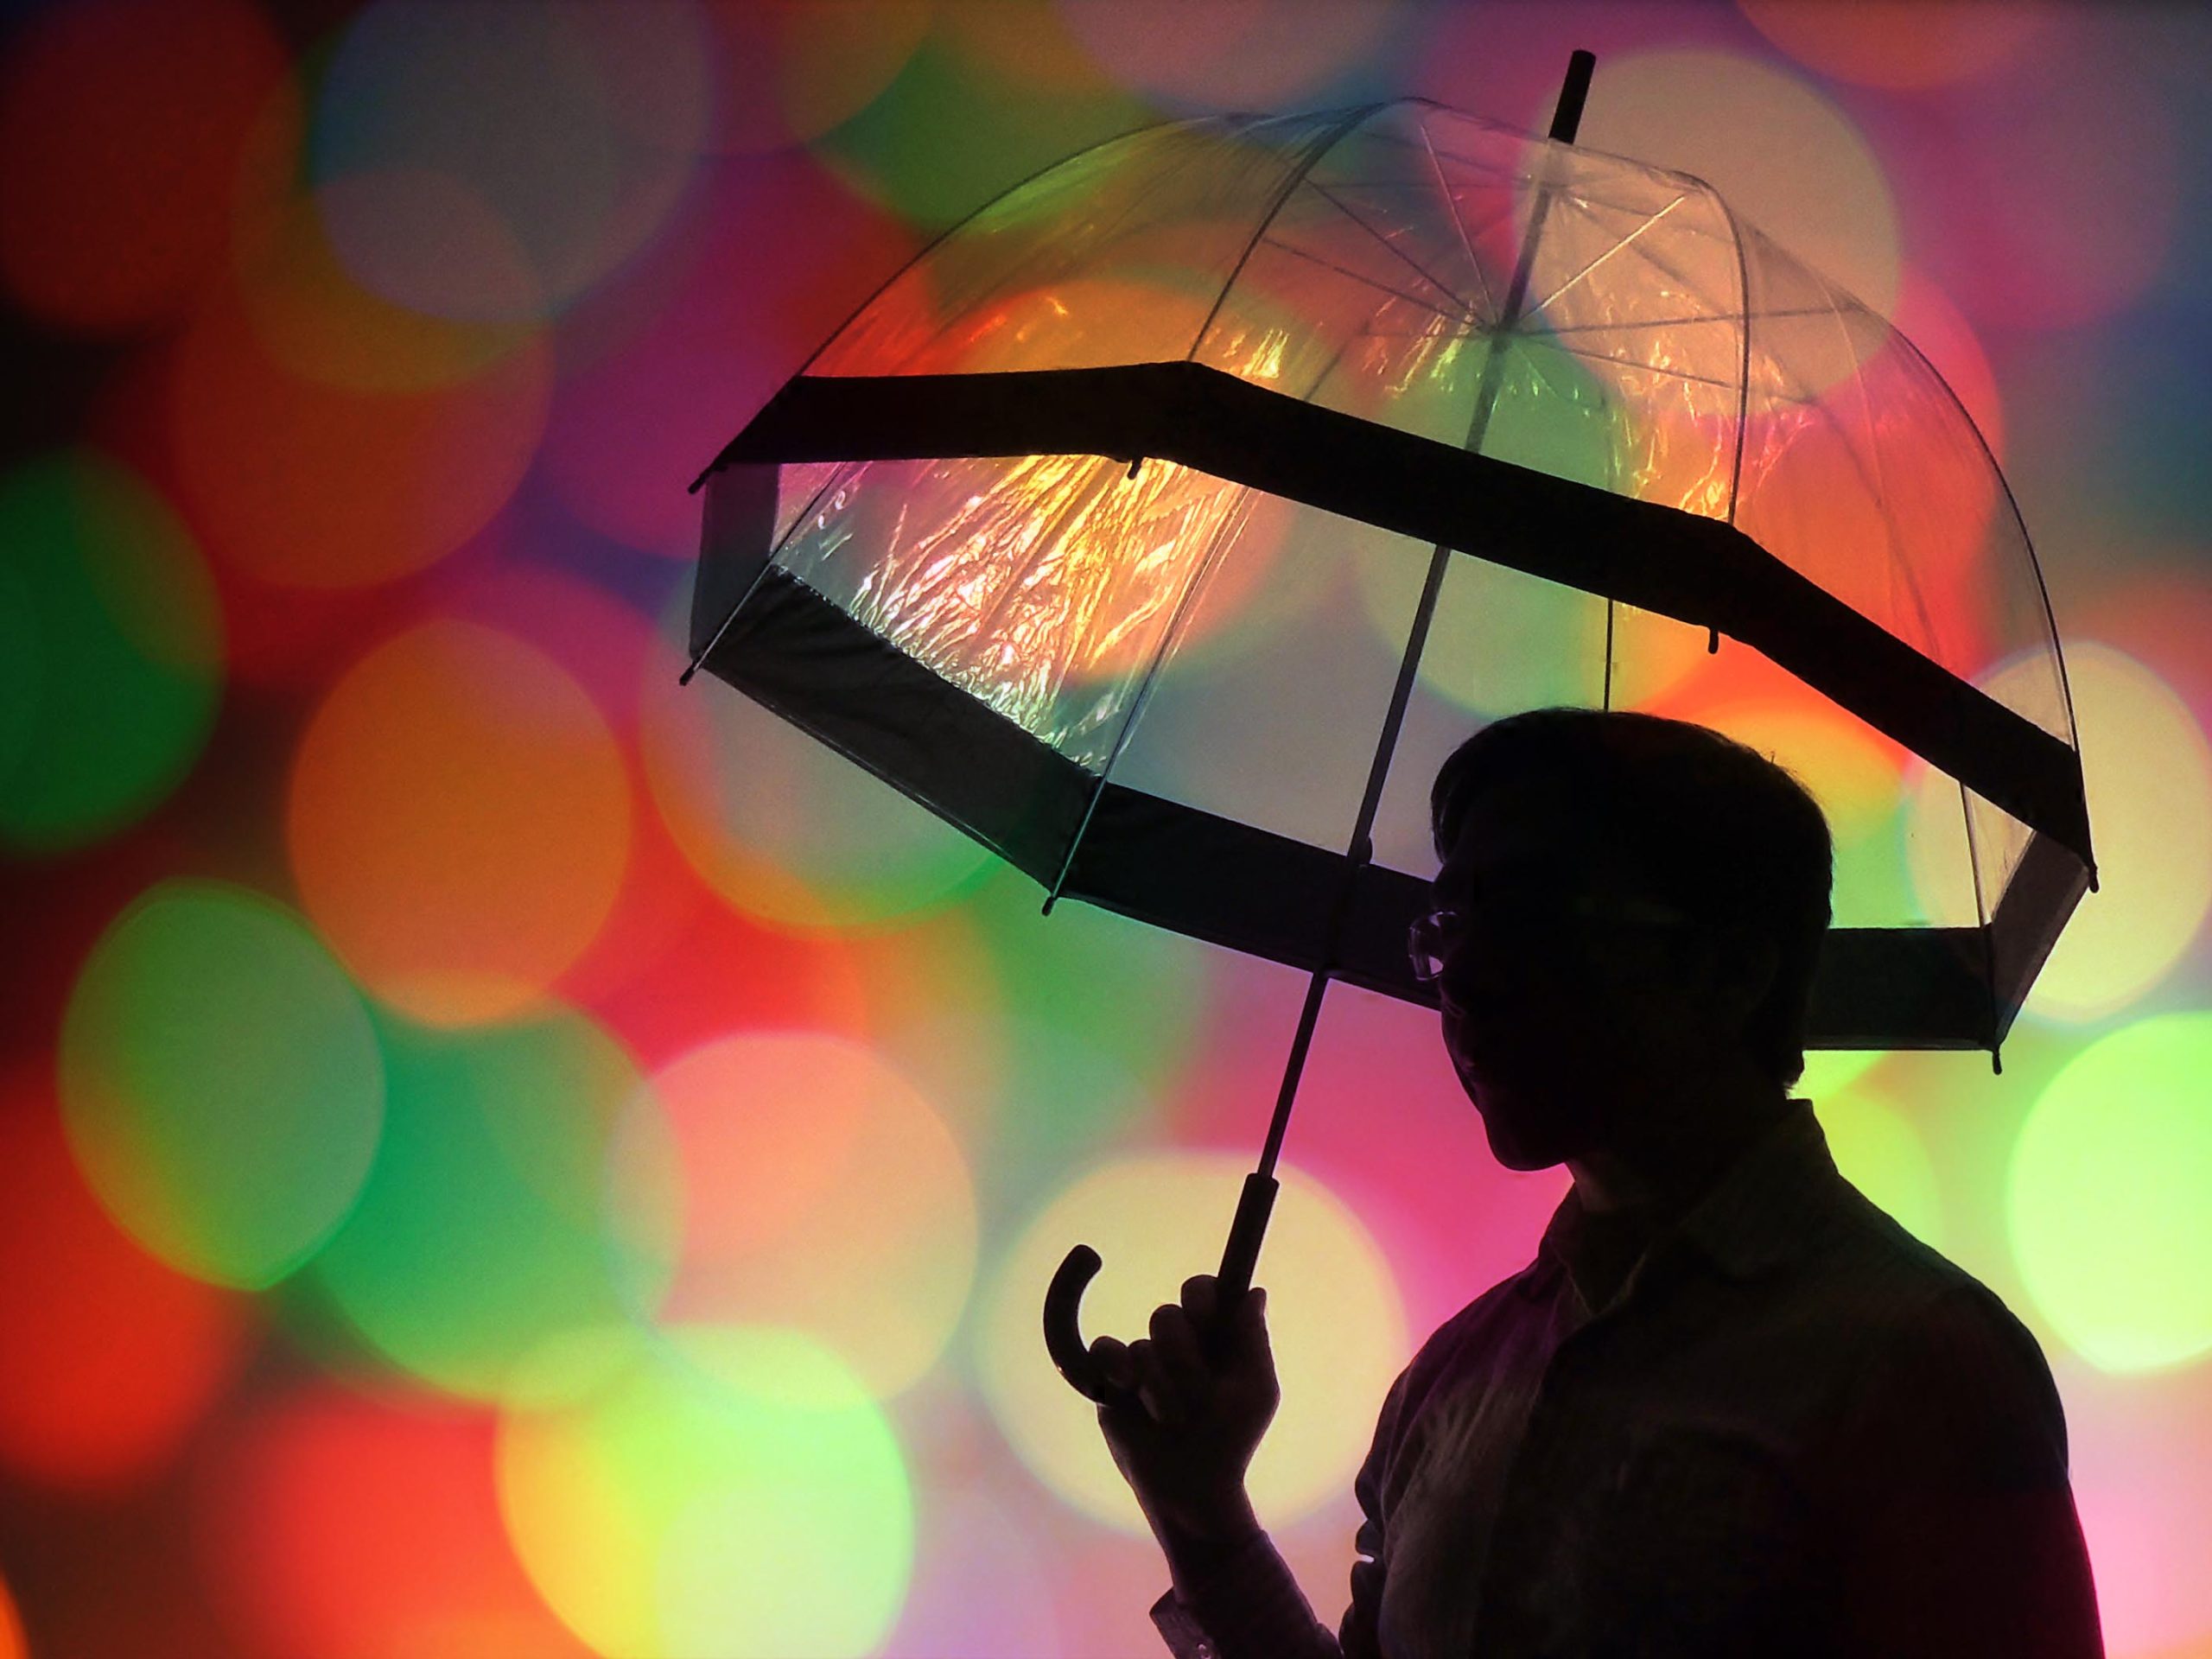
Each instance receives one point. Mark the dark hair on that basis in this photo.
(1704, 823)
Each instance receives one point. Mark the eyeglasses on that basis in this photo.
(1432, 938)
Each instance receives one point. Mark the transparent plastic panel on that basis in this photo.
(1862, 472)
(1115, 256)
(1269, 711)
(1368, 263)
(1045, 586)
(1388, 272)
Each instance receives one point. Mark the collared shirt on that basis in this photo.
(1793, 1429)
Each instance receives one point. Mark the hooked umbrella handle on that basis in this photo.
(1063, 1296)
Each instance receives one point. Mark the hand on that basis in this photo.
(1184, 1442)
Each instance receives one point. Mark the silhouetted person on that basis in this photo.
(1731, 1408)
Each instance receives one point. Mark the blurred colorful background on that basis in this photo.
(500, 1155)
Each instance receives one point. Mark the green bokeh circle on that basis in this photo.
(2106, 1199)
(221, 1082)
(489, 1223)
(718, 1492)
(111, 651)
(1501, 640)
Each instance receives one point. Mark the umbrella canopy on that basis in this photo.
(1009, 503)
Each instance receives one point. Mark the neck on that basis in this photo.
(1674, 1142)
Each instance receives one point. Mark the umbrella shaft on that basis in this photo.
(1566, 119)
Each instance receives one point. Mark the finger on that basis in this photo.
(1251, 1327)
(1112, 1358)
(1202, 1298)
(1176, 1340)
(1161, 1397)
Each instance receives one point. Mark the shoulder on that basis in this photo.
(1451, 1351)
(1935, 1347)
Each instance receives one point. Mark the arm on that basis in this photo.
(1250, 1604)
(1183, 1440)
(1958, 1531)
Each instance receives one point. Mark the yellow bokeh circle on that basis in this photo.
(1810, 180)
(710, 1493)
(2149, 776)
(1335, 1318)
(1880, 1153)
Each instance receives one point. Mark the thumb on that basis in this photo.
(1252, 1322)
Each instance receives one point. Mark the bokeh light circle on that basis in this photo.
(221, 1082)
(124, 127)
(957, 126)
(983, 1580)
(1879, 1152)
(1854, 774)
(1098, 1016)
(1928, 317)
(713, 318)
(723, 1493)
(1829, 1070)
(490, 1222)
(2048, 223)
(301, 483)
(814, 1189)
(2148, 773)
(112, 1357)
(1901, 44)
(459, 820)
(2105, 1199)
(441, 106)
(112, 651)
(1501, 640)
(1785, 158)
(317, 321)
(788, 71)
(2147, 769)
(1246, 54)
(1334, 1319)
(335, 1527)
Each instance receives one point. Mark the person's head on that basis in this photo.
(1630, 902)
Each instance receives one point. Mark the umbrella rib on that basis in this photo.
(1451, 208)
(1880, 483)
(1441, 287)
(1603, 257)
(1649, 368)
(1369, 282)
(1300, 171)
(1730, 318)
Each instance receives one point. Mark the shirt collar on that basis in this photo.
(1757, 1215)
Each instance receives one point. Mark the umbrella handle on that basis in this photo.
(1063, 1296)
(1063, 1328)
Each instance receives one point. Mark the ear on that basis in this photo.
(1745, 964)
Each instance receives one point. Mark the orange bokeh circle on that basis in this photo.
(459, 822)
(301, 483)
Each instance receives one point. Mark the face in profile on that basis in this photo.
(1565, 990)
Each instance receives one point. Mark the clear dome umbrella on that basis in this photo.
(1508, 421)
